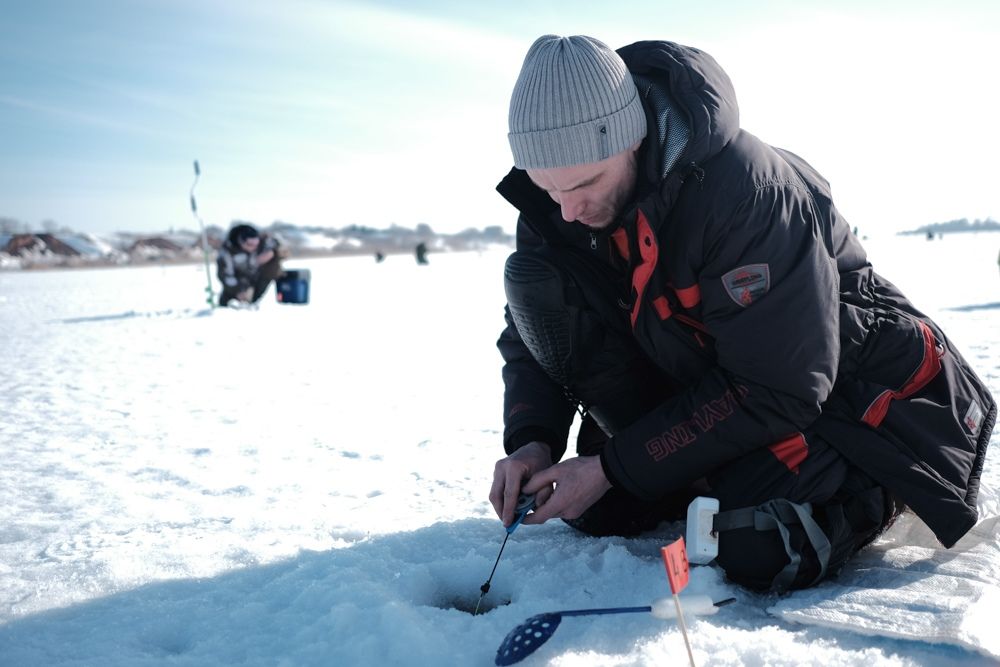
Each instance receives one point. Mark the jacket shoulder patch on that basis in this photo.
(973, 418)
(746, 284)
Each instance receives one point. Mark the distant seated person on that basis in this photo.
(248, 261)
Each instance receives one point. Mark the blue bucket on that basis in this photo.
(293, 286)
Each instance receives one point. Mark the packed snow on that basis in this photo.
(307, 485)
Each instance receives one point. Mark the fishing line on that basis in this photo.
(524, 505)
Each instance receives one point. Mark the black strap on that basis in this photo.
(778, 514)
(752, 517)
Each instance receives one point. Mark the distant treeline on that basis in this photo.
(58, 246)
(960, 225)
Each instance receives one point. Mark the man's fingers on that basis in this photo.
(540, 480)
(546, 504)
(510, 493)
(566, 489)
(509, 474)
(543, 495)
(544, 510)
(506, 485)
(496, 494)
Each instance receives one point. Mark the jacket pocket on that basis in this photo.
(900, 357)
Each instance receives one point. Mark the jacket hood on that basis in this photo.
(697, 86)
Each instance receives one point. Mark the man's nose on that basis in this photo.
(571, 207)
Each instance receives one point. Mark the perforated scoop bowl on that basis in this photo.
(526, 638)
(523, 640)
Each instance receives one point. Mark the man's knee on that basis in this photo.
(270, 269)
(755, 558)
(807, 548)
(566, 312)
(536, 292)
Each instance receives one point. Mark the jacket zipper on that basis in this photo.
(593, 241)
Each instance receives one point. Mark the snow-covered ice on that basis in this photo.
(306, 484)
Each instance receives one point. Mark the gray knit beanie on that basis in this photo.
(574, 103)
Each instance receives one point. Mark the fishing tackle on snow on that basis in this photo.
(526, 638)
(525, 504)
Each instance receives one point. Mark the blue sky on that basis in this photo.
(379, 113)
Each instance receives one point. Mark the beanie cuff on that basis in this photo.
(587, 142)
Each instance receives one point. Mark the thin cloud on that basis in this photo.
(76, 117)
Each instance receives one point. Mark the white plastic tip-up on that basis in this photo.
(701, 541)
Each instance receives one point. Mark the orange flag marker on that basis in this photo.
(676, 560)
(678, 572)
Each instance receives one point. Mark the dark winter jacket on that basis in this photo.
(749, 289)
(237, 269)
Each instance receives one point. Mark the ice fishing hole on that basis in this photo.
(468, 604)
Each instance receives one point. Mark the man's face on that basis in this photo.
(250, 244)
(592, 194)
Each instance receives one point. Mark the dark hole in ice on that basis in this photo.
(468, 604)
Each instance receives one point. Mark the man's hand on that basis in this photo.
(512, 472)
(265, 257)
(566, 490)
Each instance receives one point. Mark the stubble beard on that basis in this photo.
(619, 197)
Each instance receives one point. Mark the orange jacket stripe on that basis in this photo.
(791, 451)
(689, 296)
(649, 252)
(928, 369)
(621, 242)
(662, 307)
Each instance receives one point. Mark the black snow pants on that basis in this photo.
(563, 304)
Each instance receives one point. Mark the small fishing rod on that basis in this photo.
(525, 504)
